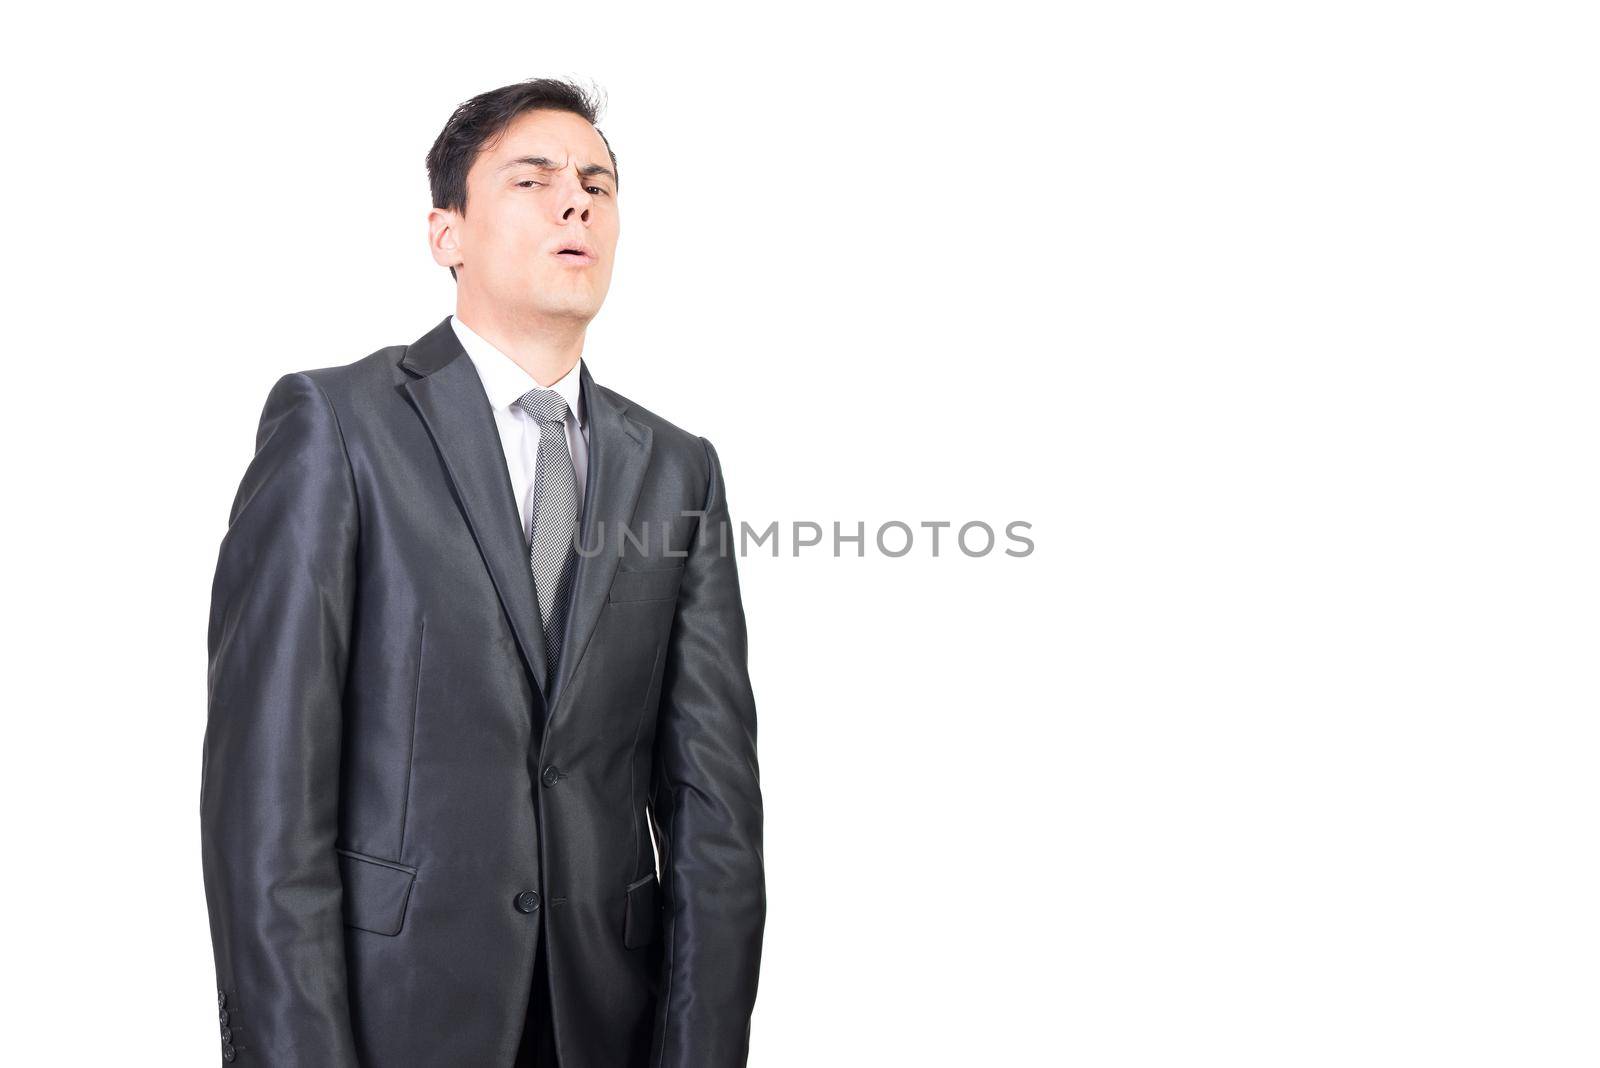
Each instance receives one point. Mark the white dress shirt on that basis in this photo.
(504, 381)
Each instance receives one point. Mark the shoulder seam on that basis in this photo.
(344, 448)
(711, 471)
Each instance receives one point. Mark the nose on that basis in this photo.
(575, 200)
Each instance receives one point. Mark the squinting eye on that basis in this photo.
(528, 181)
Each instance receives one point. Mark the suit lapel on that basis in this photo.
(619, 453)
(450, 398)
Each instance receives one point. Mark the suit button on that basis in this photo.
(222, 1015)
(551, 774)
(222, 999)
(227, 1052)
(527, 901)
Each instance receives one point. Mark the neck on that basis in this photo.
(546, 347)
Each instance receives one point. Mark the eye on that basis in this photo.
(599, 189)
(529, 181)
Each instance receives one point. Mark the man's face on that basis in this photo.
(544, 186)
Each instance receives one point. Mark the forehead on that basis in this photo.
(557, 135)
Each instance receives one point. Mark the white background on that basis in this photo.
(1276, 321)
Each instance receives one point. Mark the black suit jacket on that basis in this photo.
(397, 801)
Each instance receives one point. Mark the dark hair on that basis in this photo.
(485, 117)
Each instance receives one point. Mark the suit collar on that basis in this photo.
(433, 351)
(504, 380)
(449, 396)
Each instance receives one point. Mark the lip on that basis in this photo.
(582, 257)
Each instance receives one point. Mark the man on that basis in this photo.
(446, 736)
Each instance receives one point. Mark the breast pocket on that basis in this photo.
(650, 584)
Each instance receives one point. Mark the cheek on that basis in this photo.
(515, 252)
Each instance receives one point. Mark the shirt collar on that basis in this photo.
(504, 380)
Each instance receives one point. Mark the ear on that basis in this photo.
(442, 237)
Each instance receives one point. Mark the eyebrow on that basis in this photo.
(544, 163)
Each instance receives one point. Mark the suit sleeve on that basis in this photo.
(281, 607)
(706, 804)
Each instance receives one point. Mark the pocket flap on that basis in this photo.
(375, 891)
(652, 584)
(641, 919)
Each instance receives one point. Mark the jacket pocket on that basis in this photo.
(375, 891)
(641, 918)
(652, 584)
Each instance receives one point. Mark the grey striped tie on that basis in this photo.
(555, 514)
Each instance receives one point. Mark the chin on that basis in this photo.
(566, 309)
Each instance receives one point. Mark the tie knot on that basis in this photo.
(545, 405)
